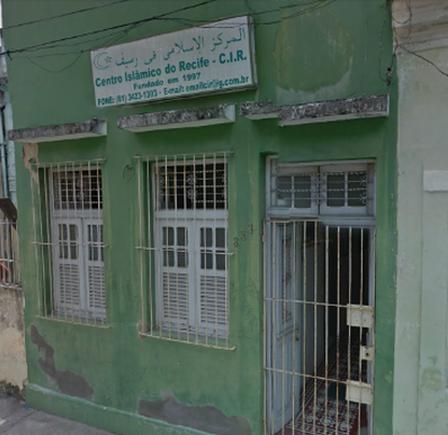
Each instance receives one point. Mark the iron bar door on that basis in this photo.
(319, 326)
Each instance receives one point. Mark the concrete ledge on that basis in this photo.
(58, 132)
(184, 118)
(256, 110)
(336, 110)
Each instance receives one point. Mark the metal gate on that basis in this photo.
(319, 327)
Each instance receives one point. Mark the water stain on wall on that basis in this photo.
(311, 53)
(68, 382)
(204, 418)
(30, 155)
(12, 343)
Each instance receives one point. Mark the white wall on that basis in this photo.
(420, 391)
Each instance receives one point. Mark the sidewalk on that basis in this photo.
(17, 418)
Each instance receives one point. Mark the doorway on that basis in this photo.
(319, 304)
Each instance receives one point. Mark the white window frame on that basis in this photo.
(193, 220)
(82, 218)
(346, 209)
(319, 208)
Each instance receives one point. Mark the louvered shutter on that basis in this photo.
(94, 265)
(67, 265)
(175, 276)
(213, 303)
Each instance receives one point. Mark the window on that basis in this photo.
(336, 189)
(71, 245)
(186, 227)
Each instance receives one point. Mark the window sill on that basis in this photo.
(73, 321)
(212, 343)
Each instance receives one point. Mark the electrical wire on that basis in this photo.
(67, 14)
(306, 8)
(425, 59)
(399, 46)
(98, 31)
(314, 5)
(78, 54)
(126, 31)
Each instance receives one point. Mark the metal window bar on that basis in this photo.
(182, 245)
(9, 254)
(69, 241)
(319, 285)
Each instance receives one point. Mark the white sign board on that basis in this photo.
(216, 57)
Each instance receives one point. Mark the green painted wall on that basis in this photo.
(340, 50)
(421, 378)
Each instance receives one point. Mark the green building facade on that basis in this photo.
(112, 373)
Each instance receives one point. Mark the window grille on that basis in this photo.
(183, 248)
(336, 189)
(9, 249)
(68, 223)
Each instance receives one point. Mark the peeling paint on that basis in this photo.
(13, 368)
(68, 382)
(331, 53)
(204, 418)
(30, 156)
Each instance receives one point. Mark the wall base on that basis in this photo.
(102, 417)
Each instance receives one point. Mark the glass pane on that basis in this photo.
(357, 189)
(62, 232)
(206, 260)
(170, 236)
(92, 237)
(302, 191)
(94, 233)
(209, 261)
(73, 232)
(63, 246)
(209, 237)
(336, 190)
(202, 237)
(206, 237)
(73, 251)
(182, 258)
(284, 191)
(181, 237)
(220, 262)
(182, 241)
(168, 258)
(220, 238)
